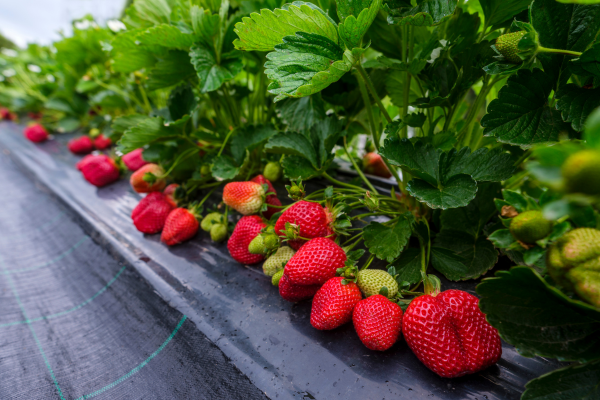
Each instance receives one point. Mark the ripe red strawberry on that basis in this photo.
(270, 199)
(315, 262)
(312, 219)
(134, 160)
(333, 304)
(245, 197)
(247, 228)
(150, 214)
(36, 133)
(290, 292)
(449, 334)
(81, 145)
(7, 115)
(101, 142)
(34, 115)
(181, 225)
(378, 322)
(373, 164)
(98, 170)
(141, 186)
(169, 192)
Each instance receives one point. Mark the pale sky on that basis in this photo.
(25, 21)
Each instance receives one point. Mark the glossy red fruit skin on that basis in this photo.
(247, 228)
(315, 262)
(80, 145)
(101, 142)
(36, 133)
(245, 197)
(373, 164)
(141, 186)
(169, 193)
(378, 322)
(333, 304)
(449, 334)
(150, 214)
(311, 218)
(293, 293)
(99, 170)
(134, 160)
(180, 225)
(270, 199)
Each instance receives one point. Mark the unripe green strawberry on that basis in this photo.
(574, 262)
(530, 226)
(218, 232)
(278, 260)
(277, 277)
(581, 172)
(210, 220)
(507, 46)
(257, 245)
(271, 241)
(370, 282)
(272, 171)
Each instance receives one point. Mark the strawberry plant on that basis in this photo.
(419, 142)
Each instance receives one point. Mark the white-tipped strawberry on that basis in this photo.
(247, 198)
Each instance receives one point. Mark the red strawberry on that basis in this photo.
(181, 225)
(245, 197)
(141, 186)
(312, 219)
(150, 214)
(315, 262)
(34, 115)
(134, 160)
(101, 142)
(169, 192)
(290, 292)
(449, 334)
(81, 145)
(270, 199)
(333, 304)
(98, 170)
(36, 133)
(7, 115)
(373, 164)
(378, 322)
(247, 228)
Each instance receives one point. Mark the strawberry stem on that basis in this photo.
(358, 170)
(333, 180)
(542, 49)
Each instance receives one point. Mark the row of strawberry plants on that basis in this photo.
(481, 112)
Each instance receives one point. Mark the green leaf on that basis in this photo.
(448, 263)
(305, 64)
(458, 191)
(415, 120)
(301, 114)
(121, 124)
(172, 69)
(262, 32)
(580, 1)
(146, 132)
(589, 62)
(224, 167)
(421, 160)
(248, 138)
(213, 74)
(292, 143)
(576, 104)
(166, 36)
(537, 318)
(472, 218)
(182, 101)
(498, 11)
(592, 130)
(394, 85)
(295, 167)
(515, 199)
(408, 266)
(108, 99)
(325, 134)
(521, 115)
(577, 382)
(128, 55)
(478, 254)
(205, 24)
(426, 13)
(352, 28)
(387, 242)
(502, 238)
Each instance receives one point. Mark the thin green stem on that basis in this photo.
(542, 49)
(225, 142)
(333, 180)
(373, 91)
(358, 170)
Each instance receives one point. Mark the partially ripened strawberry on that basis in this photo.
(101, 142)
(373, 164)
(134, 160)
(290, 292)
(181, 225)
(315, 262)
(449, 334)
(140, 184)
(311, 218)
(246, 229)
(150, 214)
(246, 198)
(333, 304)
(378, 322)
(271, 199)
(81, 145)
(98, 170)
(169, 192)
(35, 133)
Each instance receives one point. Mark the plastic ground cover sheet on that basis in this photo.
(270, 340)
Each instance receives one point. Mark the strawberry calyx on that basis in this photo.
(296, 190)
(431, 284)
